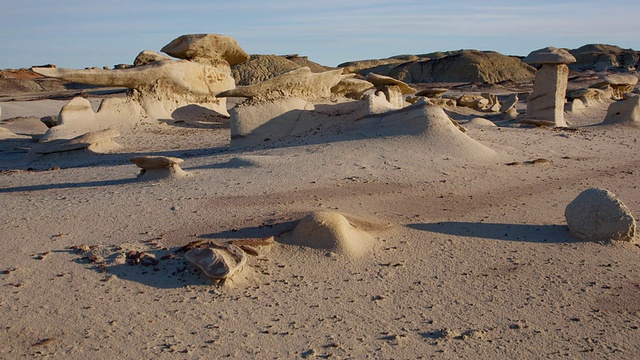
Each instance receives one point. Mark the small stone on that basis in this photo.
(218, 261)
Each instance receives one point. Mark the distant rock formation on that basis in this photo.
(162, 86)
(457, 66)
(263, 67)
(601, 57)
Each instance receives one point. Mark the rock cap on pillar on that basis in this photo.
(549, 55)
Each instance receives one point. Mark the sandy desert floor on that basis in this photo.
(472, 259)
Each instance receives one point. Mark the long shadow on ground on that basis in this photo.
(495, 231)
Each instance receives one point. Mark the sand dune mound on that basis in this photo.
(332, 231)
(426, 127)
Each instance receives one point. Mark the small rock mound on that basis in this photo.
(331, 231)
(598, 215)
(158, 167)
(218, 261)
(624, 112)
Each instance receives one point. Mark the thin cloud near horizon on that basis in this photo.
(91, 33)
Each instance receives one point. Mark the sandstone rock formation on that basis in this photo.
(161, 87)
(263, 67)
(546, 103)
(509, 106)
(464, 66)
(352, 88)
(276, 104)
(598, 215)
(101, 141)
(158, 167)
(620, 83)
(218, 262)
(626, 112)
(392, 89)
(300, 83)
(147, 56)
(600, 57)
(206, 48)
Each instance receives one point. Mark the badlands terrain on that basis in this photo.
(373, 234)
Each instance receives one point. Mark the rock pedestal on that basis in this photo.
(546, 103)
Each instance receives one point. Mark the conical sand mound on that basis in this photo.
(431, 129)
(332, 231)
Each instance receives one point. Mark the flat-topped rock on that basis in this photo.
(432, 93)
(206, 47)
(155, 162)
(619, 79)
(158, 167)
(549, 55)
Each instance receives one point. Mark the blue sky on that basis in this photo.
(78, 34)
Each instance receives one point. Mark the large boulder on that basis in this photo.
(626, 112)
(206, 48)
(598, 215)
(465, 66)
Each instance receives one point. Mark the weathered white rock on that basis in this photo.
(625, 112)
(352, 88)
(158, 167)
(101, 141)
(547, 100)
(479, 122)
(598, 215)
(255, 122)
(380, 81)
(77, 112)
(473, 101)
(160, 87)
(219, 262)
(574, 106)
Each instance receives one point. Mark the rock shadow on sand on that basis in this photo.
(506, 232)
(164, 273)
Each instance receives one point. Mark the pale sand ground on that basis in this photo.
(477, 262)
